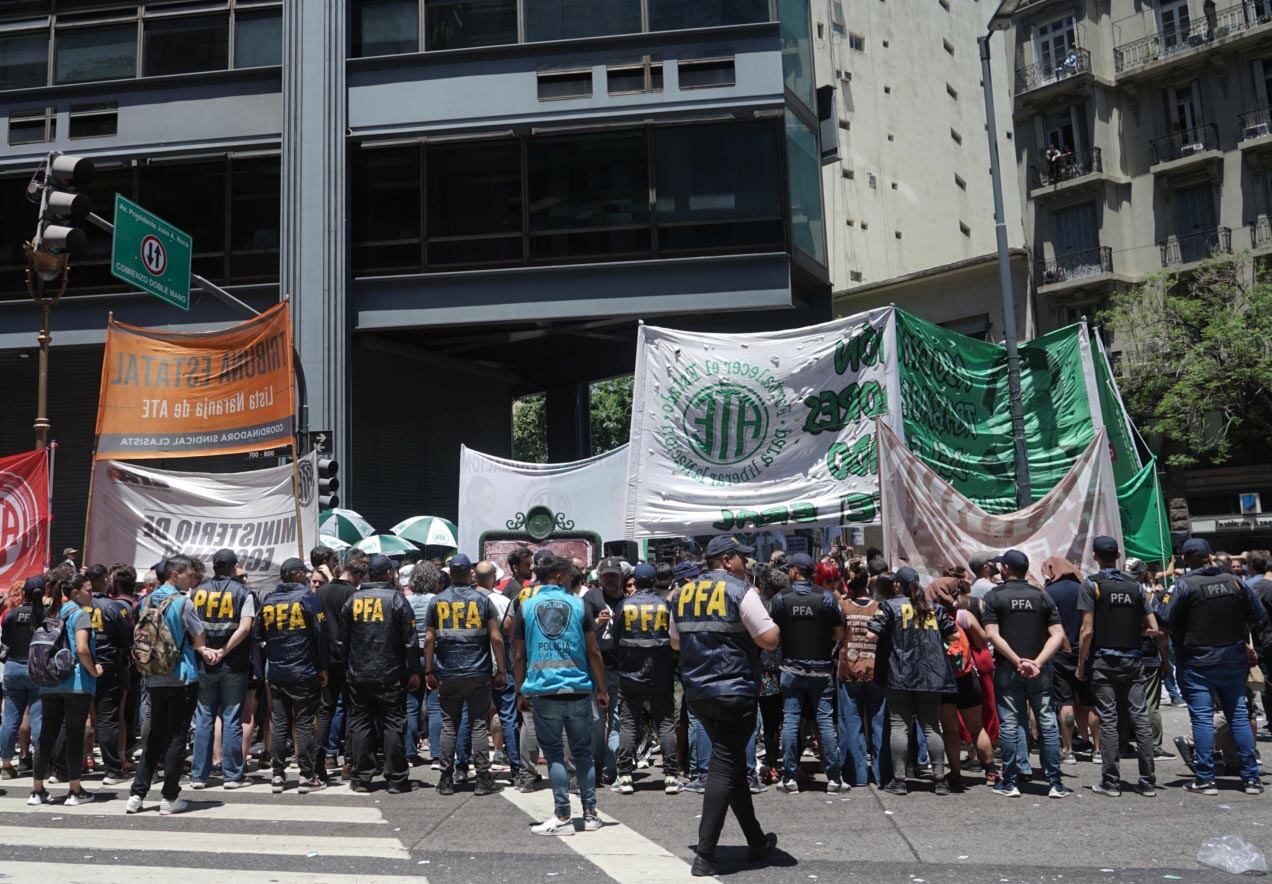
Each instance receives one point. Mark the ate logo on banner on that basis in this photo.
(19, 514)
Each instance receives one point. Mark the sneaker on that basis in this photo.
(1197, 787)
(591, 822)
(1068, 758)
(1002, 790)
(754, 784)
(671, 785)
(446, 786)
(1147, 790)
(1107, 791)
(1186, 753)
(168, 808)
(199, 784)
(622, 786)
(896, 787)
(415, 760)
(554, 825)
(134, 804)
(1162, 755)
(942, 787)
(833, 786)
(83, 796)
(436, 764)
(789, 786)
(52, 778)
(310, 784)
(485, 785)
(525, 780)
(759, 852)
(277, 784)
(1059, 790)
(697, 785)
(234, 784)
(115, 779)
(1252, 787)
(38, 798)
(460, 775)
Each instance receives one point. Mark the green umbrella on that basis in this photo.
(334, 543)
(345, 524)
(428, 531)
(386, 544)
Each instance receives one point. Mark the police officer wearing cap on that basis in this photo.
(811, 623)
(463, 633)
(382, 653)
(719, 622)
(646, 667)
(1211, 615)
(228, 610)
(1116, 622)
(296, 660)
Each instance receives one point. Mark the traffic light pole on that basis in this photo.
(45, 303)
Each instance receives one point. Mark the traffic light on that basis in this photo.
(328, 484)
(64, 204)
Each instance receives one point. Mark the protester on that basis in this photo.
(24, 610)
(420, 595)
(961, 709)
(1074, 700)
(503, 696)
(984, 573)
(863, 709)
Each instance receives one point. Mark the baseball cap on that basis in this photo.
(33, 584)
(907, 575)
(461, 561)
(380, 564)
(1197, 546)
(610, 565)
(726, 543)
(541, 555)
(1105, 546)
(645, 574)
(70, 551)
(803, 561)
(980, 560)
(292, 564)
(224, 558)
(404, 575)
(685, 571)
(1014, 559)
(1136, 566)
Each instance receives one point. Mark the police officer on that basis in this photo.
(296, 660)
(646, 669)
(719, 623)
(382, 652)
(112, 626)
(811, 624)
(463, 632)
(1115, 618)
(228, 610)
(1210, 614)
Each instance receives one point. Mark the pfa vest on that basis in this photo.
(220, 604)
(806, 636)
(289, 624)
(644, 639)
(556, 646)
(461, 616)
(1216, 613)
(1119, 613)
(717, 656)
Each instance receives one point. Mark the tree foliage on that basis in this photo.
(611, 418)
(530, 429)
(1196, 359)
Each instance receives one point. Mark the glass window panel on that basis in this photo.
(474, 189)
(670, 15)
(385, 210)
(701, 74)
(258, 38)
(24, 60)
(566, 19)
(804, 175)
(30, 130)
(386, 27)
(192, 197)
(96, 53)
(588, 181)
(456, 24)
(186, 45)
(797, 51)
(107, 183)
(254, 217)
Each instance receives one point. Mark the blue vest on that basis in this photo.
(717, 656)
(556, 646)
(220, 604)
(295, 641)
(460, 617)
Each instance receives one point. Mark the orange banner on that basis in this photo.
(170, 394)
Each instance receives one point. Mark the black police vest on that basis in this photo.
(646, 621)
(461, 617)
(1119, 613)
(106, 615)
(805, 634)
(1216, 613)
(220, 604)
(289, 624)
(717, 656)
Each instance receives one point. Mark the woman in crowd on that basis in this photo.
(961, 710)
(985, 736)
(24, 609)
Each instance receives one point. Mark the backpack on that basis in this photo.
(154, 650)
(49, 657)
(959, 650)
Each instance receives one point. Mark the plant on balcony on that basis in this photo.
(1196, 359)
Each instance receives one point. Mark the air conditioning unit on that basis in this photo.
(1188, 150)
(1258, 130)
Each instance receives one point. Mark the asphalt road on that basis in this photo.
(254, 837)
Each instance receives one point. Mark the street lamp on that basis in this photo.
(1001, 20)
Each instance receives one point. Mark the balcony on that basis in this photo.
(1186, 149)
(1068, 173)
(1228, 28)
(1256, 130)
(1179, 251)
(1035, 76)
(1260, 233)
(1084, 270)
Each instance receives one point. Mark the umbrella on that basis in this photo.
(345, 524)
(386, 544)
(428, 531)
(334, 543)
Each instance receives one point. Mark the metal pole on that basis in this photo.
(42, 389)
(1023, 495)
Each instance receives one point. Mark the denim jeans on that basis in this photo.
(20, 694)
(863, 731)
(506, 706)
(552, 716)
(802, 693)
(605, 728)
(416, 704)
(1229, 684)
(223, 692)
(1015, 693)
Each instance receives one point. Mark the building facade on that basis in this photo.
(466, 201)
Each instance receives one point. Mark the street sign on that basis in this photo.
(150, 254)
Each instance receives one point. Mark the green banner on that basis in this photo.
(1126, 460)
(1145, 528)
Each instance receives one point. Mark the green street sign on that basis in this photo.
(150, 254)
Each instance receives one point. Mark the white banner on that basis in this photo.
(738, 432)
(497, 495)
(928, 525)
(141, 515)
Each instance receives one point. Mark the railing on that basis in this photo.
(1165, 43)
(1195, 246)
(1185, 143)
(1076, 61)
(1076, 265)
(1066, 167)
(1255, 123)
(1260, 232)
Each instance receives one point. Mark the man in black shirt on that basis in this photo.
(113, 628)
(602, 605)
(1023, 624)
(331, 599)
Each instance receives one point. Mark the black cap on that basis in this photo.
(907, 575)
(33, 584)
(610, 565)
(1197, 546)
(1105, 546)
(726, 543)
(645, 574)
(542, 555)
(803, 561)
(290, 565)
(224, 558)
(1014, 559)
(380, 564)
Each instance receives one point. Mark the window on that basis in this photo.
(635, 76)
(885, 44)
(797, 51)
(186, 44)
(93, 120)
(258, 38)
(24, 60)
(1052, 42)
(568, 19)
(474, 204)
(254, 217)
(897, 234)
(458, 24)
(964, 229)
(887, 90)
(705, 73)
(385, 27)
(33, 126)
(857, 42)
(958, 138)
(850, 174)
(104, 53)
(589, 196)
(892, 137)
(718, 187)
(557, 84)
(385, 209)
(837, 17)
(855, 275)
(893, 185)
(804, 176)
(1174, 20)
(192, 197)
(671, 15)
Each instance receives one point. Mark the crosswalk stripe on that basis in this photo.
(36, 873)
(273, 845)
(214, 808)
(618, 851)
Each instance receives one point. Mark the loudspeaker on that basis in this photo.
(625, 549)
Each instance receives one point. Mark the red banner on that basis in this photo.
(24, 516)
